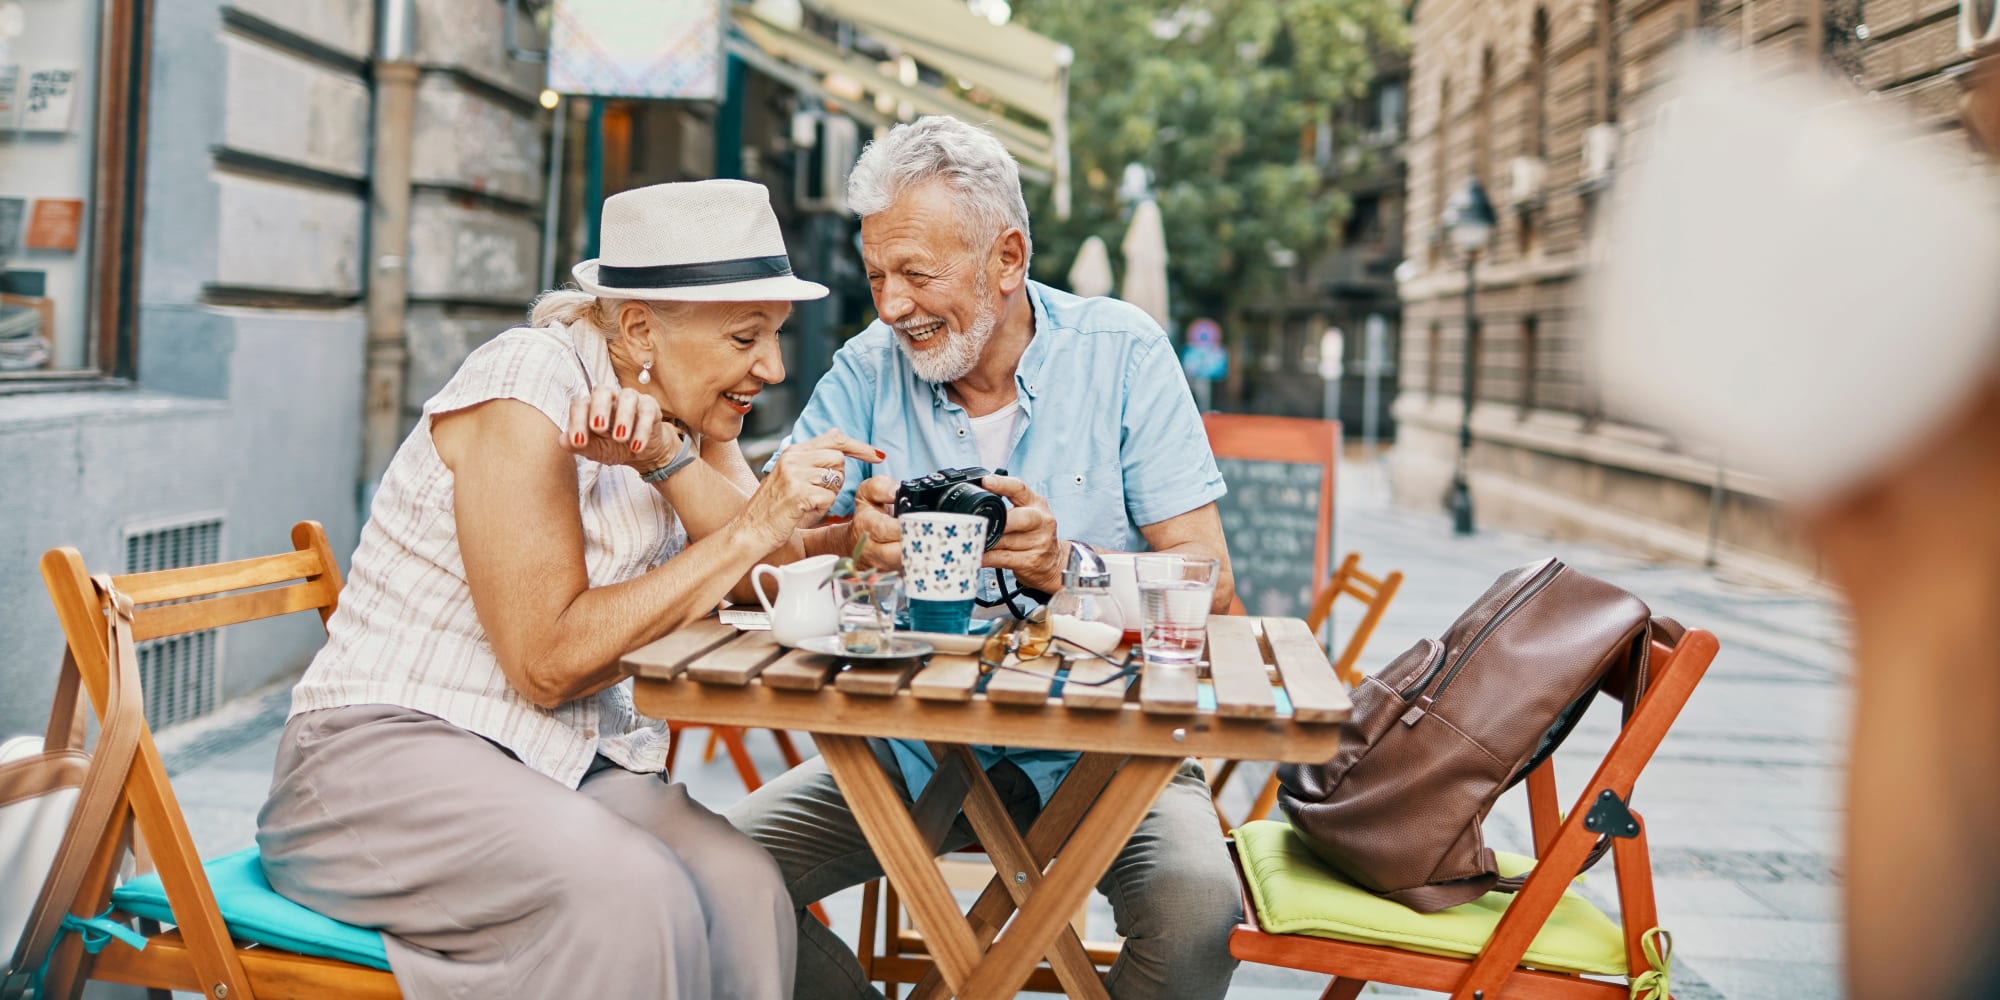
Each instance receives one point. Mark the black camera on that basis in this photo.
(954, 491)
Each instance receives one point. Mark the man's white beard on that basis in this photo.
(959, 353)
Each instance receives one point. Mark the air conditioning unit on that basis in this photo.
(1978, 24)
(1530, 175)
(1600, 152)
(819, 175)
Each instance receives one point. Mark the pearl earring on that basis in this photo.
(645, 373)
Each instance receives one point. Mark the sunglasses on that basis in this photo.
(1031, 639)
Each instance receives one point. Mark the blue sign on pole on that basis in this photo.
(1205, 332)
(1205, 362)
(1203, 359)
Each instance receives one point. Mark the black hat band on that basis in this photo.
(682, 275)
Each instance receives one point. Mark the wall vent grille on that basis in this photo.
(179, 673)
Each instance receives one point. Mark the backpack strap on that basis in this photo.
(1666, 631)
(102, 792)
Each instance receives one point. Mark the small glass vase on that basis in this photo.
(868, 606)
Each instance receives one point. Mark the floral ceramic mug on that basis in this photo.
(941, 555)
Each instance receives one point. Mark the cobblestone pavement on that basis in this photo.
(1742, 802)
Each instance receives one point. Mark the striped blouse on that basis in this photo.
(406, 634)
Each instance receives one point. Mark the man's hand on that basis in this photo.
(1029, 547)
(875, 514)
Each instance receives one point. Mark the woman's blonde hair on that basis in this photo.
(568, 305)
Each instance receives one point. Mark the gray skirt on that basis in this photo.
(488, 879)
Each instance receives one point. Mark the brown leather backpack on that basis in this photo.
(1449, 725)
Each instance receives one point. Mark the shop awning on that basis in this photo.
(1009, 65)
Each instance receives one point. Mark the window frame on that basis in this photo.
(124, 48)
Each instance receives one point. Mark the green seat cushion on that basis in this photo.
(255, 912)
(1297, 894)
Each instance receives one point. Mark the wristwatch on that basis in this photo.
(675, 464)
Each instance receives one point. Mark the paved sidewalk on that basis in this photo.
(1742, 802)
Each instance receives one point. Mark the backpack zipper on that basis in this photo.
(1513, 604)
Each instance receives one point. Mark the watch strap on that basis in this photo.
(675, 464)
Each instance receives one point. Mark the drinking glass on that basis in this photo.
(1174, 594)
(868, 611)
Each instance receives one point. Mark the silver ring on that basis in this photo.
(831, 479)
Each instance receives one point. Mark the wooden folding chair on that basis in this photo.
(1561, 847)
(197, 955)
(1374, 593)
(730, 738)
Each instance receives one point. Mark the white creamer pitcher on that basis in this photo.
(806, 607)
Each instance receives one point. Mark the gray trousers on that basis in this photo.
(490, 880)
(1173, 889)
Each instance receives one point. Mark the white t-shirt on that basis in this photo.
(993, 434)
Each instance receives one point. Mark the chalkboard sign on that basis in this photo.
(1278, 516)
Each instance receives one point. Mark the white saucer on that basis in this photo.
(901, 647)
(949, 642)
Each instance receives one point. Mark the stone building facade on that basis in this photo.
(241, 410)
(1541, 99)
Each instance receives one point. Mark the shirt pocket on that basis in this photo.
(1089, 505)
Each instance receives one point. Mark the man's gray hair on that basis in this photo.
(966, 158)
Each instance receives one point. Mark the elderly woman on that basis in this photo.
(463, 768)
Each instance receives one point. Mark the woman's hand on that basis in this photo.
(619, 426)
(802, 486)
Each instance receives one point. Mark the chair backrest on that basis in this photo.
(1373, 592)
(1562, 843)
(172, 602)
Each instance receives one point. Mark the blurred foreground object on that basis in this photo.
(1794, 278)
(1816, 291)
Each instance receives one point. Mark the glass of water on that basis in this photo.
(1174, 595)
(868, 611)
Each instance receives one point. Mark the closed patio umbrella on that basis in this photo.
(1090, 276)
(1145, 247)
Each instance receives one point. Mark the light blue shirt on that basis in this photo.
(1108, 433)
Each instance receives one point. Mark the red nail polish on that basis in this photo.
(620, 432)
(579, 439)
(880, 454)
(635, 446)
(597, 424)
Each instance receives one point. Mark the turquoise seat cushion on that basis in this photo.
(255, 912)
(1297, 894)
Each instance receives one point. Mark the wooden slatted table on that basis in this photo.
(1133, 738)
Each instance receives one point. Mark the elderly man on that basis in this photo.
(1082, 400)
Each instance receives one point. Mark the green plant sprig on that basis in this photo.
(849, 567)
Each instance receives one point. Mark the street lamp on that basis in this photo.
(1469, 218)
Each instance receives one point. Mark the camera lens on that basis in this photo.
(966, 498)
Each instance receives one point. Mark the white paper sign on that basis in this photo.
(50, 102)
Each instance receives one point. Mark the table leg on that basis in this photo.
(1051, 830)
(1097, 841)
(905, 857)
(1021, 875)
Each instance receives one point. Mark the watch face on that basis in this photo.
(1978, 23)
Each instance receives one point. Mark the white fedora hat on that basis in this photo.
(701, 241)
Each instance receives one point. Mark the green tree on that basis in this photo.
(1217, 99)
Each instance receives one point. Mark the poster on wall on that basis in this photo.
(13, 215)
(658, 49)
(50, 102)
(10, 96)
(55, 224)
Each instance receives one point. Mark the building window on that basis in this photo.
(72, 112)
(1530, 360)
(1384, 112)
(1433, 360)
(1482, 142)
(1440, 168)
(1607, 62)
(1538, 86)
